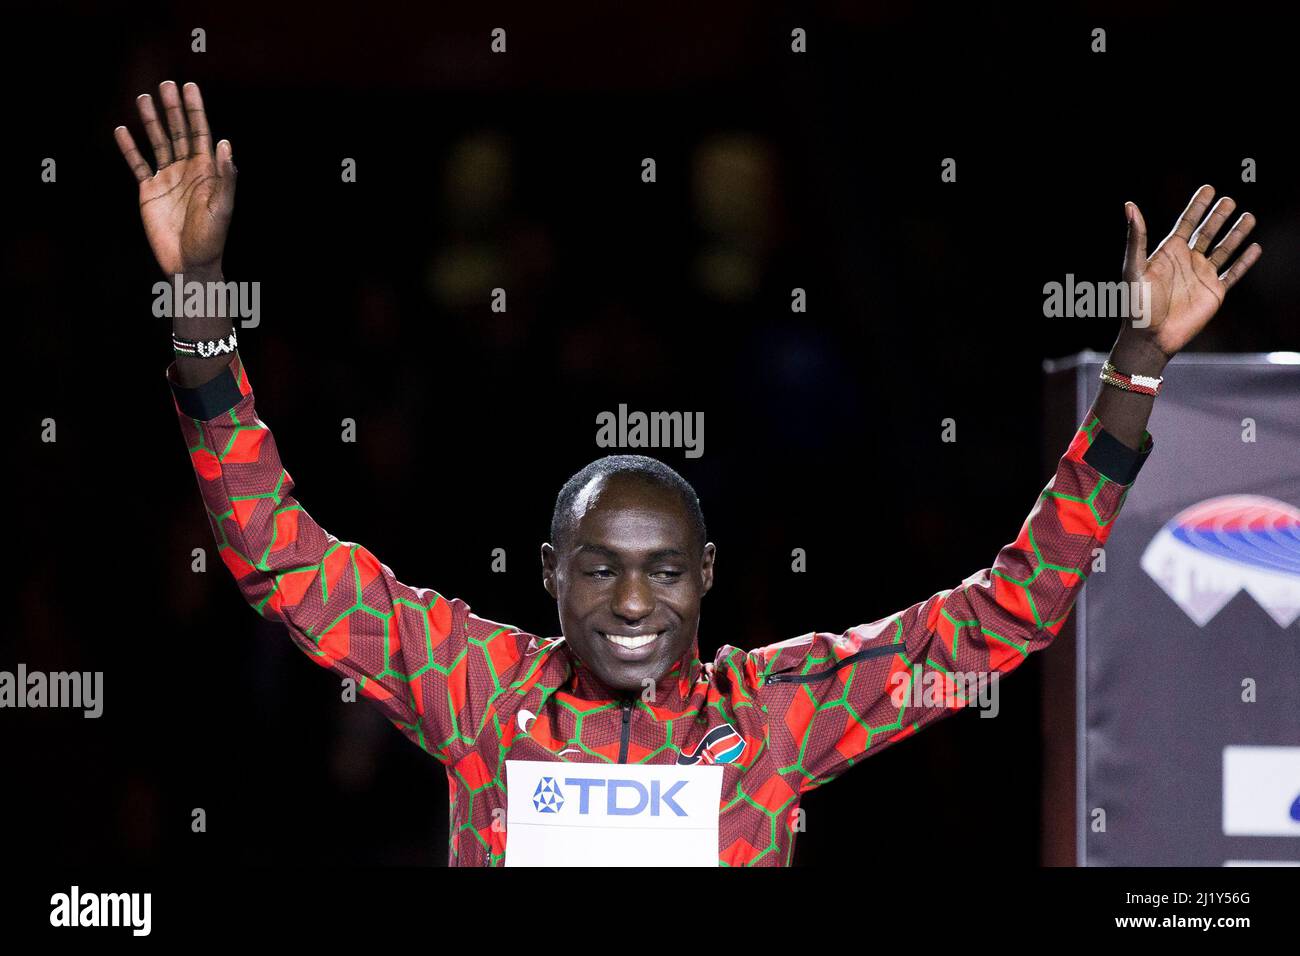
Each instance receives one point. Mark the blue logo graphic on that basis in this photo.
(1207, 554)
(547, 798)
(1295, 808)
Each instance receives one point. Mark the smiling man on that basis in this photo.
(629, 564)
(628, 567)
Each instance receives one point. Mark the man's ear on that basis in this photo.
(548, 570)
(706, 567)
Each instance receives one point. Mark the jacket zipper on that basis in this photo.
(627, 731)
(782, 677)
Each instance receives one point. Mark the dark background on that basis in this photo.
(522, 170)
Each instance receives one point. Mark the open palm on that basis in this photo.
(187, 204)
(1187, 280)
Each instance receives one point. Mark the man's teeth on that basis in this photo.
(623, 640)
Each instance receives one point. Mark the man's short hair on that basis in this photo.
(650, 470)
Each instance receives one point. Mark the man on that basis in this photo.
(629, 564)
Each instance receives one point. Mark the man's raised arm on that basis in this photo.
(835, 699)
(424, 660)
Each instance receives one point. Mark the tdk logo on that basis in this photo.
(547, 798)
(624, 798)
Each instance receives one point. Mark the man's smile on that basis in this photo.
(632, 647)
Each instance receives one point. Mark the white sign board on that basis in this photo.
(1261, 791)
(603, 814)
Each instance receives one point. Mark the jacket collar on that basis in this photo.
(672, 689)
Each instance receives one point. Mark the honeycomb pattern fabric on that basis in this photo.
(781, 720)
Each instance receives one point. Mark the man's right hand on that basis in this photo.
(186, 205)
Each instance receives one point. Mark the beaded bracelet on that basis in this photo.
(205, 349)
(1144, 384)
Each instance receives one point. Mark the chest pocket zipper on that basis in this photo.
(784, 677)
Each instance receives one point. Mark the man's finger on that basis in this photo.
(1239, 231)
(1135, 248)
(162, 148)
(226, 174)
(1208, 229)
(1193, 213)
(171, 101)
(126, 144)
(201, 138)
(226, 160)
(1241, 266)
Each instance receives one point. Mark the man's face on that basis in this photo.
(630, 569)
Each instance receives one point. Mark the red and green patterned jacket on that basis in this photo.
(782, 719)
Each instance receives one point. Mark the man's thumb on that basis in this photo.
(226, 158)
(1135, 248)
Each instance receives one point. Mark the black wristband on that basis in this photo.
(1115, 460)
(207, 401)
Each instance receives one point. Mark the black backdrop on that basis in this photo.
(775, 170)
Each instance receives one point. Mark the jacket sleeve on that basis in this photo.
(835, 699)
(425, 661)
